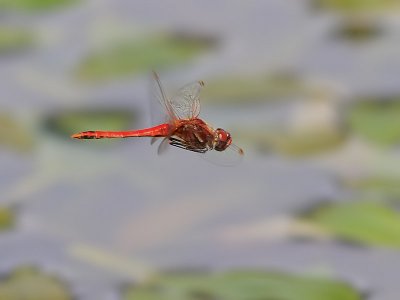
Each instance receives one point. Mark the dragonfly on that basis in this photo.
(181, 127)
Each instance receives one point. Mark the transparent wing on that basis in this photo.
(231, 156)
(163, 147)
(165, 112)
(154, 140)
(186, 103)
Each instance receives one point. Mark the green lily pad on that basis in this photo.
(387, 187)
(12, 39)
(359, 29)
(13, 134)
(307, 144)
(30, 284)
(7, 218)
(377, 121)
(68, 123)
(33, 5)
(133, 56)
(240, 285)
(252, 89)
(291, 143)
(357, 5)
(368, 223)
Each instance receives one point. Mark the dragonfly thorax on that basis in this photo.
(222, 139)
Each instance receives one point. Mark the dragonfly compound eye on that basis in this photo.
(222, 139)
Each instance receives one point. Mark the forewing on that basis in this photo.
(165, 112)
(186, 103)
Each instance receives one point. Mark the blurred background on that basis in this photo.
(309, 89)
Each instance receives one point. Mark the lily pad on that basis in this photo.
(33, 5)
(7, 218)
(240, 285)
(368, 223)
(294, 144)
(12, 39)
(357, 5)
(65, 124)
(13, 134)
(359, 29)
(30, 284)
(306, 144)
(137, 55)
(253, 89)
(377, 121)
(387, 187)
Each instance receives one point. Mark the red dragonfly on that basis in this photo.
(182, 128)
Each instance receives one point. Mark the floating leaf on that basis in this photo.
(12, 39)
(378, 121)
(30, 284)
(133, 56)
(14, 135)
(387, 187)
(65, 124)
(357, 5)
(32, 5)
(293, 144)
(239, 286)
(369, 223)
(7, 218)
(359, 29)
(307, 144)
(254, 89)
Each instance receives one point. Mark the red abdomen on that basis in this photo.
(160, 130)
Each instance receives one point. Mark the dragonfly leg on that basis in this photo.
(180, 144)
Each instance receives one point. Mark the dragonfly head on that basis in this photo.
(222, 139)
